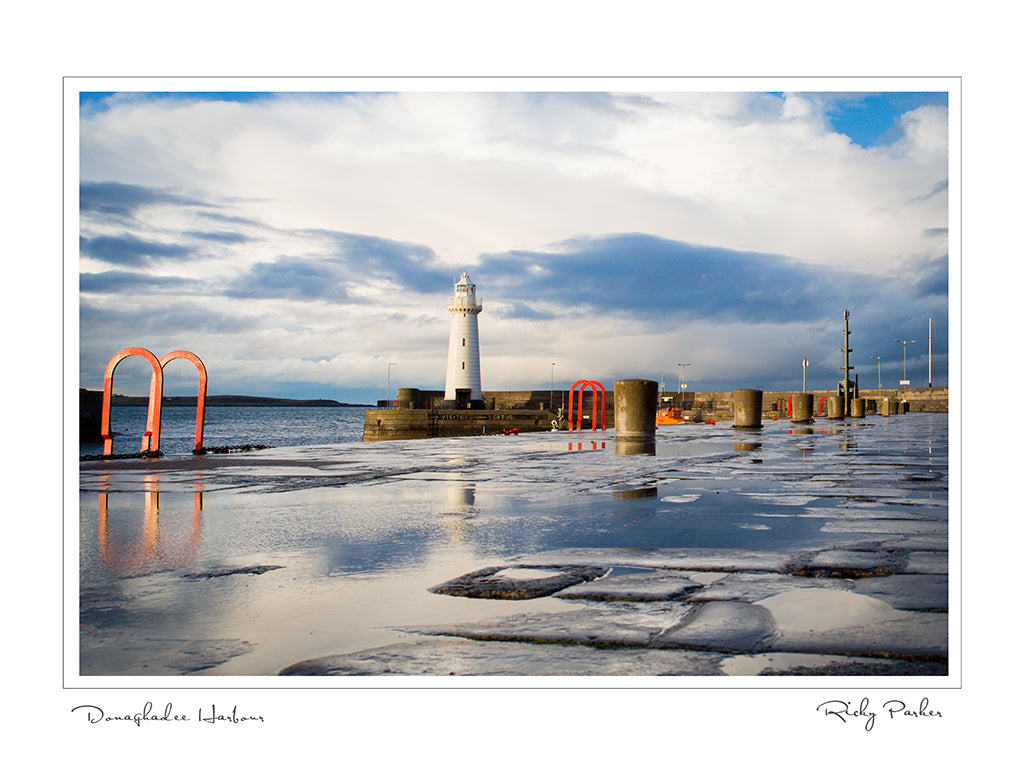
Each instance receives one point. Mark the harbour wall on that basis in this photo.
(416, 413)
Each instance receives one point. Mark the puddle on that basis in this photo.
(522, 574)
(815, 609)
(666, 446)
(756, 665)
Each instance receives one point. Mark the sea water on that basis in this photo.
(234, 425)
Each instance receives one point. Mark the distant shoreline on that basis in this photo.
(237, 400)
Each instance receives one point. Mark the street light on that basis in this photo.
(682, 374)
(879, 370)
(389, 382)
(805, 375)
(904, 343)
(551, 402)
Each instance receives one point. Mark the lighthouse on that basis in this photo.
(462, 382)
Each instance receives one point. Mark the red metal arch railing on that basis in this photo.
(585, 384)
(200, 397)
(151, 437)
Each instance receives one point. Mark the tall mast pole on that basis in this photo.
(846, 362)
(929, 353)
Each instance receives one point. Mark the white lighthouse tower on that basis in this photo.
(463, 346)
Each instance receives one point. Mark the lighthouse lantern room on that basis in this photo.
(462, 382)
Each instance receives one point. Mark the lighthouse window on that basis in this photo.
(463, 342)
(463, 366)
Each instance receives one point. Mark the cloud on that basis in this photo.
(653, 278)
(410, 266)
(345, 263)
(292, 278)
(131, 250)
(934, 279)
(121, 282)
(601, 228)
(940, 189)
(231, 238)
(114, 198)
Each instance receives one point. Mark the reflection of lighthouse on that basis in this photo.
(462, 382)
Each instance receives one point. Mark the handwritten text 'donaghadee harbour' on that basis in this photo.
(863, 712)
(148, 714)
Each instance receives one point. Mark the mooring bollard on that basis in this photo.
(803, 408)
(883, 406)
(636, 414)
(407, 397)
(857, 407)
(746, 407)
(836, 407)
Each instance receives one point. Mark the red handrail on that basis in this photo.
(593, 385)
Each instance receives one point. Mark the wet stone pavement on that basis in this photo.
(811, 550)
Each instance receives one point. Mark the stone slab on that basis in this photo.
(907, 635)
(927, 562)
(752, 587)
(448, 656)
(652, 586)
(677, 559)
(609, 624)
(721, 626)
(910, 592)
(898, 527)
(502, 583)
(846, 562)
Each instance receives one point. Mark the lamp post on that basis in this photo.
(682, 375)
(879, 370)
(389, 383)
(904, 343)
(551, 402)
(805, 375)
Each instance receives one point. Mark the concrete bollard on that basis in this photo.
(836, 407)
(803, 408)
(883, 406)
(636, 413)
(857, 407)
(746, 406)
(407, 397)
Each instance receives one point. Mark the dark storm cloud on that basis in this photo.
(111, 197)
(349, 260)
(292, 278)
(131, 250)
(117, 281)
(933, 278)
(652, 278)
(412, 266)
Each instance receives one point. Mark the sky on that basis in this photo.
(299, 242)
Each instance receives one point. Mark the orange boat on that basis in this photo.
(667, 416)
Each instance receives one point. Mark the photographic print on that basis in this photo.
(520, 382)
